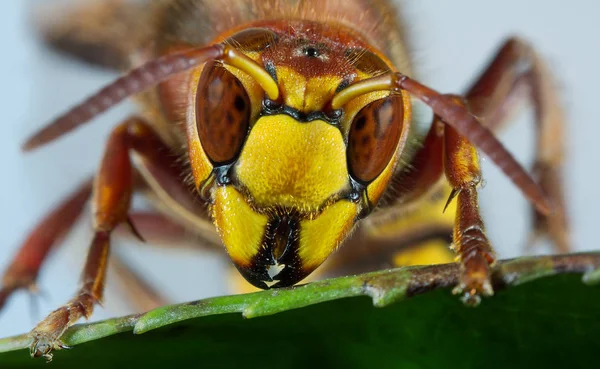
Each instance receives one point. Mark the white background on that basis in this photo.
(451, 41)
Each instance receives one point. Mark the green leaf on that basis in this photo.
(553, 320)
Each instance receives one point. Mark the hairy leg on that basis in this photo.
(113, 188)
(515, 69)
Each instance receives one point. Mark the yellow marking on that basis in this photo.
(383, 83)
(423, 213)
(293, 87)
(292, 164)
(239, 60)
(466, 168)
(380, 184)
(240, 227)
(427, 253)
(321, 236)
(306, 95)
(319, 91)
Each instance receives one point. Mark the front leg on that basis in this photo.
(515, 69)
(111, 199)
(461, 166)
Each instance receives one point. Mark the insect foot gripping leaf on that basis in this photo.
(525, 288)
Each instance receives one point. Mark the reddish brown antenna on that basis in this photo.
(139, 79)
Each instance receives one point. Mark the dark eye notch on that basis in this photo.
(270, 68)
(345, 82)
(271, 107)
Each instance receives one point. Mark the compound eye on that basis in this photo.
(222, 114)
(373, 137)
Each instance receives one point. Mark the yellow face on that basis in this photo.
(287, 180)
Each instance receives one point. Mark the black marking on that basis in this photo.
(335, 114)
(282, 230)
(453, 194)
(345, 83)
(358, 195)
(271, 107)
(270, 68)
(222, 174)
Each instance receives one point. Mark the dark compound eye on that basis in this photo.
(222, 114)
(373, 137)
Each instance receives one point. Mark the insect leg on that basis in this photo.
(514, 72)
(461, 165)
(25, 266)
(111, 200)
(446, 151)
(412, 229)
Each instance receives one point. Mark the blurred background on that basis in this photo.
(451, 42)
